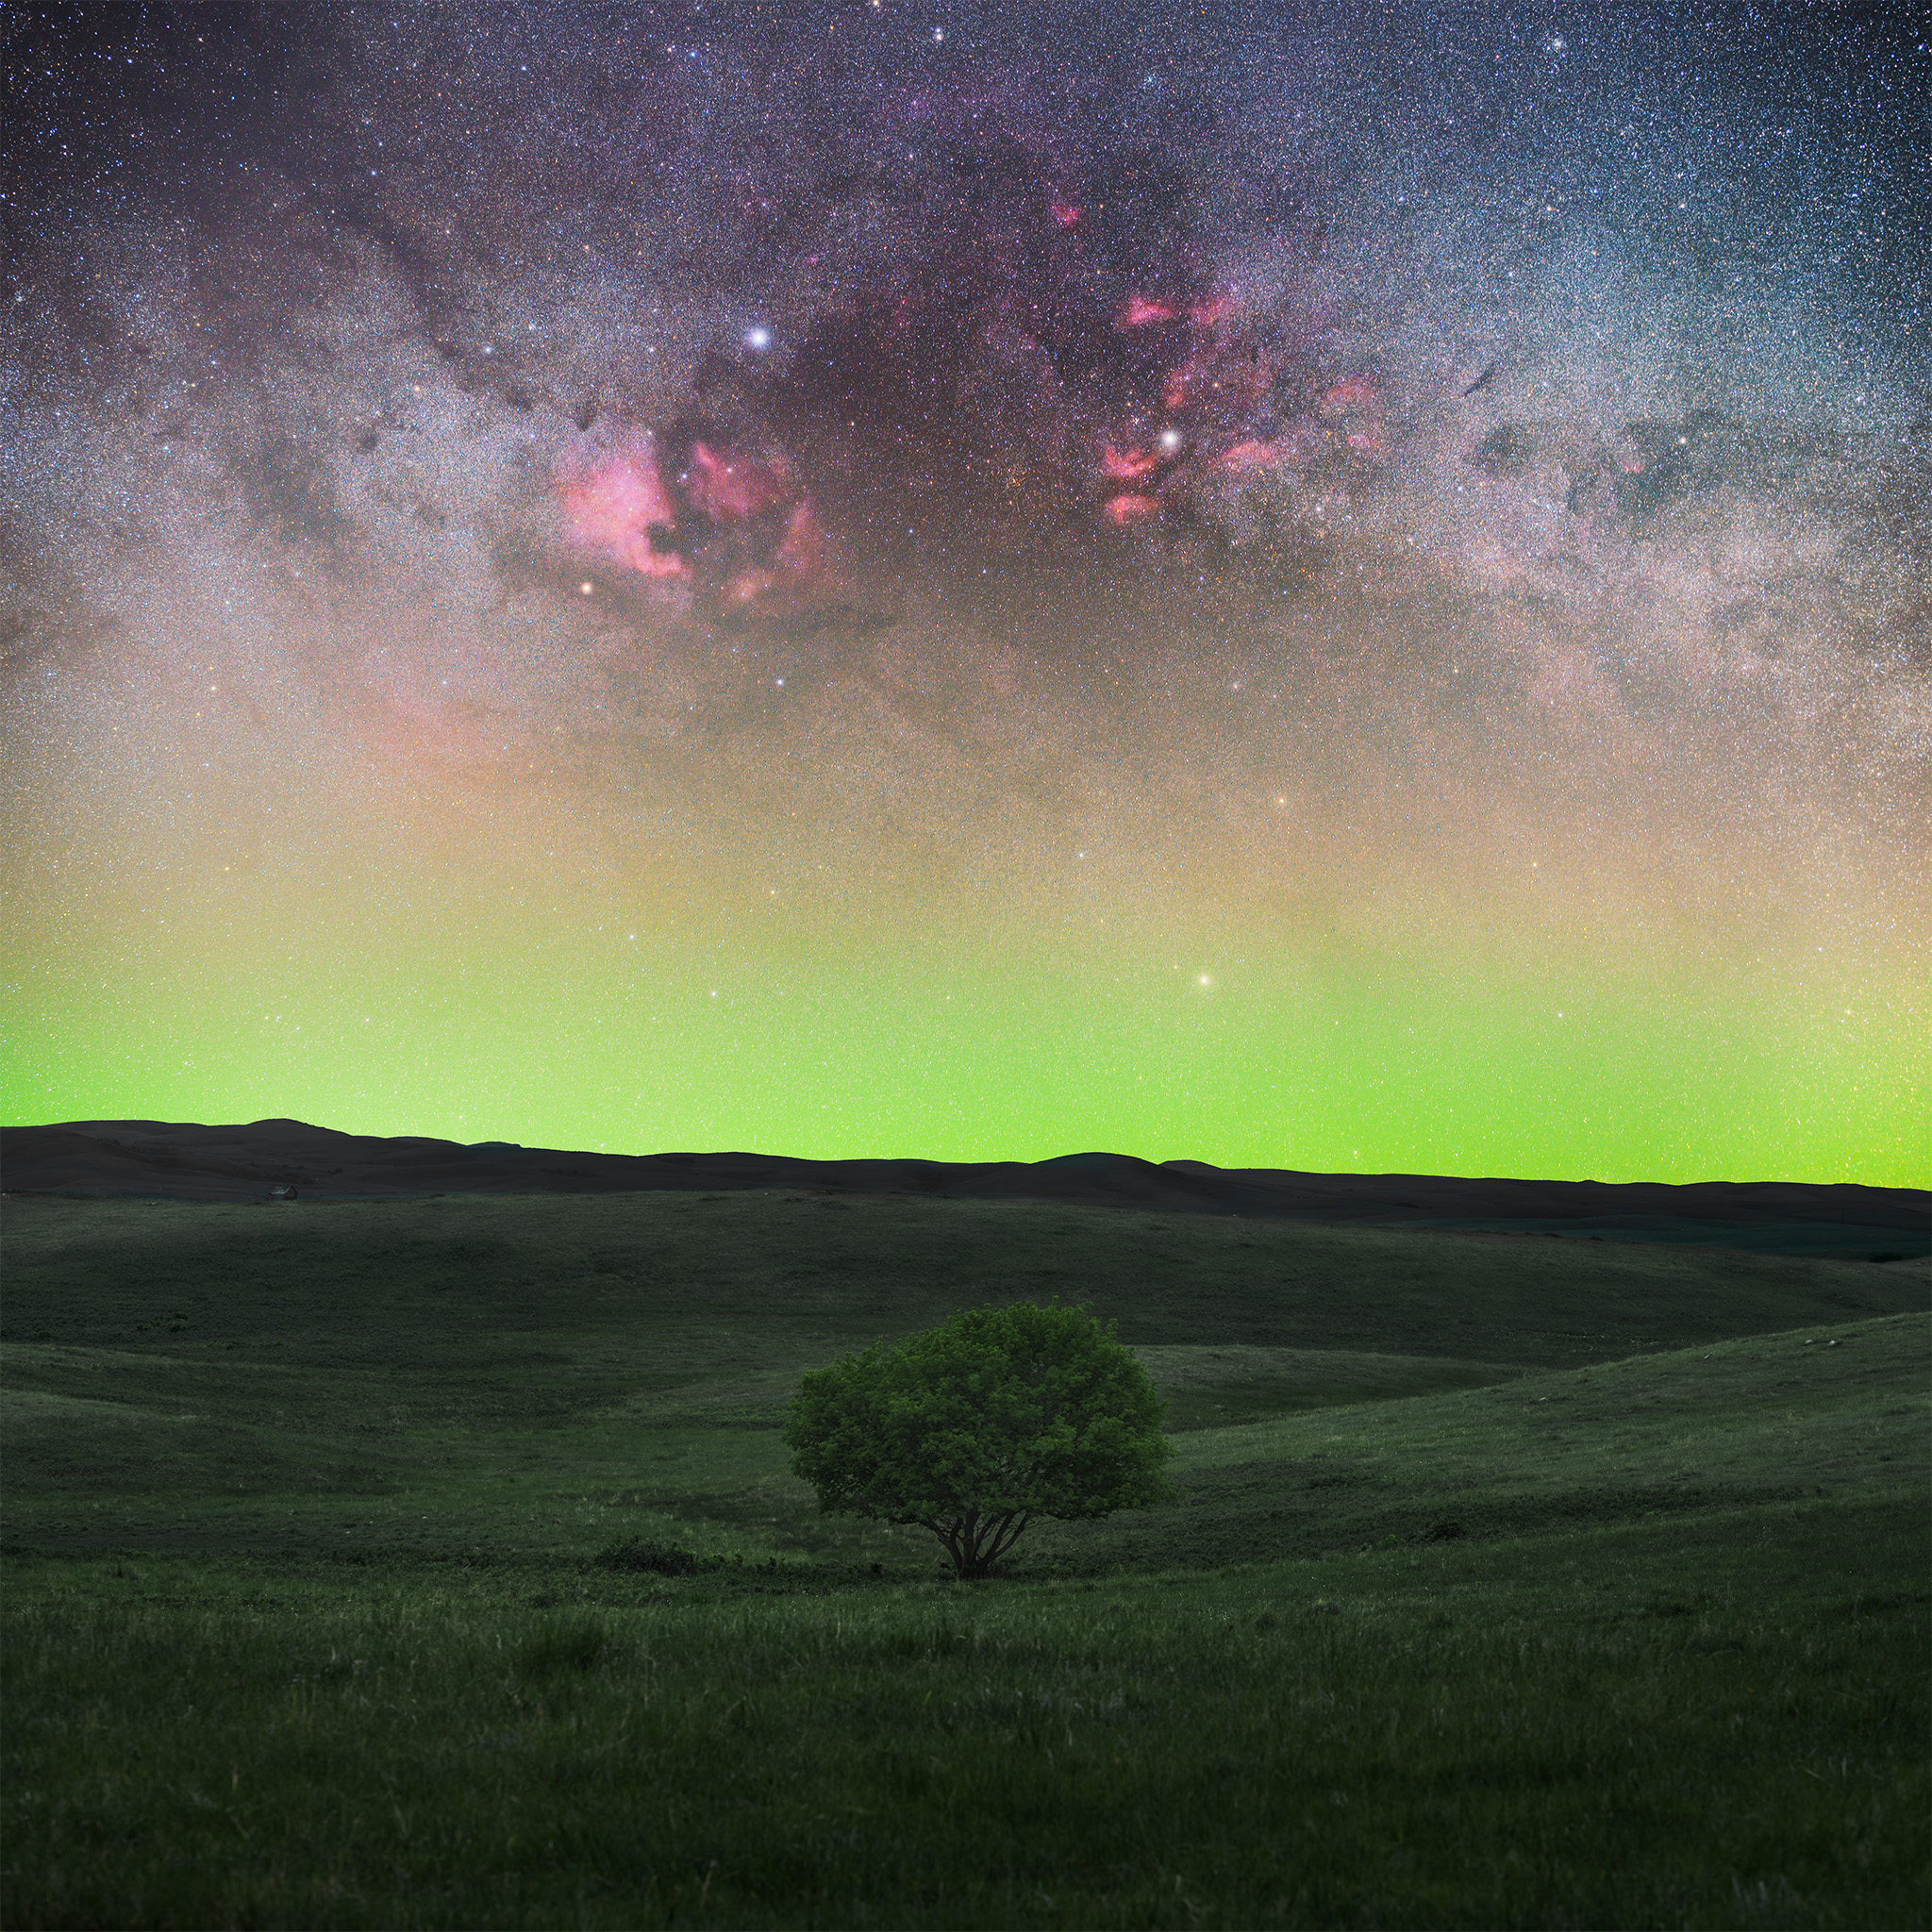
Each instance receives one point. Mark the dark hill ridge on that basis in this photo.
(239, 1164)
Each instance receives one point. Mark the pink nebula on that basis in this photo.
(1252, 455)
(1128, 465)
(1351, 392)
(729, 487)
(610, 506)
(803, 547)
(1141, 310)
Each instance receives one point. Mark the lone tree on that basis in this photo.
(973, 1429)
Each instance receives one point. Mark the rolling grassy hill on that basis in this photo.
(238, 1373)
(1511, 1581)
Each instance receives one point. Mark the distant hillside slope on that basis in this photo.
(535, 1371)
(1769, 1418)
(401, 1281)
(103, 1158)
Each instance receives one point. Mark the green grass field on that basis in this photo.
(1512, 1582)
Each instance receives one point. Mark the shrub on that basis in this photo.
(972, 1429)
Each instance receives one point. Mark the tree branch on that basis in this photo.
(999, 1547)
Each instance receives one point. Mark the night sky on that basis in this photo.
(1334, 587)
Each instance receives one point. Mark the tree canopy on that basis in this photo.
(975, 1428)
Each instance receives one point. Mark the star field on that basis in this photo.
(1337, 588)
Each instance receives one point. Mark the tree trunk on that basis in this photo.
(977, 1543)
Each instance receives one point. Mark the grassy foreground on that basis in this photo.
(1506, 1587)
